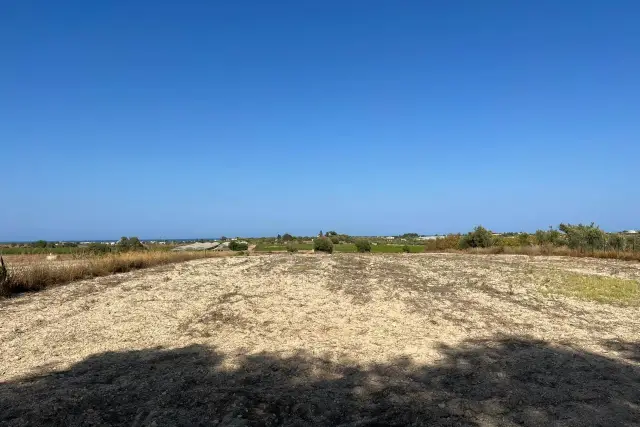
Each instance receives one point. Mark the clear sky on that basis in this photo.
(192, 119)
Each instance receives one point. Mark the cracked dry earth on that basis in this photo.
(347, 339)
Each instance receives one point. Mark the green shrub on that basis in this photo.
(616, 241)
(450, 241)
(406, 249)
(523, 239)
(480, 237)
(550, 237)
(126, 244)
(584, 237)
(43, 244)
(98, 248)
(345, 238)
(323, 244)
(335, 240)
(363, 245)
(238, 246)
(292, 248)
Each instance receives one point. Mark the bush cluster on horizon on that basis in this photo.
(578, 237)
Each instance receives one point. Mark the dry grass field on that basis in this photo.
(346, 339)
(30, 273)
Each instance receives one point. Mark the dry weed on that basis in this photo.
(36, 276)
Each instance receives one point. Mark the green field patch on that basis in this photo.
(612, 290)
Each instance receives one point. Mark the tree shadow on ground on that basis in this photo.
(628, 350)
(504, 381)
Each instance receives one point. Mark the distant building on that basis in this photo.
(630, 232)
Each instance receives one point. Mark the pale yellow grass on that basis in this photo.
(38, 274)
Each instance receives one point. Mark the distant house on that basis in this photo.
(630, 232)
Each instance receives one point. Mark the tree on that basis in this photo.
(323, 244)
(320, 234)
(549, 237)
(523, 239)
(286, 237)
(129, 244)
(331, 233)
(363, 245)
(40, 244)
(98, 248)
(584, 237)
(617, 242)
(480, 237)
(279, 237)
(410, 236)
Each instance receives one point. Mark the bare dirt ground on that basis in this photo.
(347, 339)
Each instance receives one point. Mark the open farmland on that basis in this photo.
(346, 339)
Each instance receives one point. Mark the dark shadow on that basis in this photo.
(626, 349)
(499, 382)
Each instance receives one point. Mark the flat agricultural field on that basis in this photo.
(346, 339)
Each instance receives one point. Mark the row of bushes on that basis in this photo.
(580, 238)
(326, 245)
(576, 238)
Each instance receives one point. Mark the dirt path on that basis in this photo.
(309, 339)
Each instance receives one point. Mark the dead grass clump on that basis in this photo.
(41, 275)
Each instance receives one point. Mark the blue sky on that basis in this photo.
(195, 119)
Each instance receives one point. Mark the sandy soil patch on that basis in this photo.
(425, 339)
